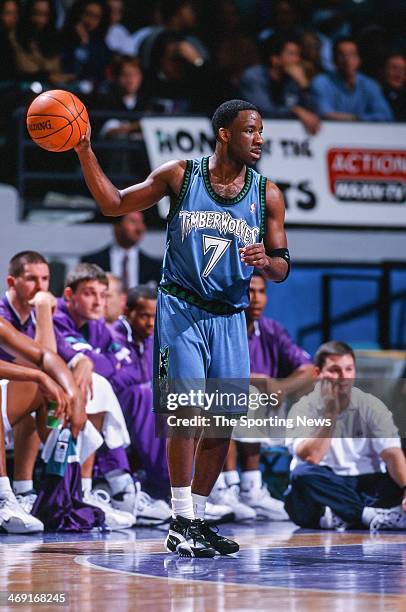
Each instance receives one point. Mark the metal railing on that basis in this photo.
(387, 336)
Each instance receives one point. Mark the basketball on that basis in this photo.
(56, 120)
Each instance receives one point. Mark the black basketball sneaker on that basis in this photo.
(221, 545)
(186, 539)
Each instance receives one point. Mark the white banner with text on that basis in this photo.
(351, 174)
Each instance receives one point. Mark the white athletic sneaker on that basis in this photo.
(115, 519)
(266, 507)
(329, 520)
(127, 500)
(390, 518)
(14, 519)
(27, 500)
(218, 513)
(152, 512)
(230, 496)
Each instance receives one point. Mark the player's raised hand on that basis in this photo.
(84, 143)
(254, 255)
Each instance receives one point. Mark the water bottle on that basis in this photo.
(52, 421)
(62, 445)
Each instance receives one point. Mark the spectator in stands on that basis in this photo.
(179, 17)
(394, 84)
(331, 22)
(337, 480)
(279, 88)
(151, 19)
(124, 258)
(311, 58)
(86, 54)
(179, 79)
(118, 38)
(285, 20)
(234, 47)
(347, 94)
(278, 365)
(115, 300)
(123, 95)
(9, 14)
(38, 48)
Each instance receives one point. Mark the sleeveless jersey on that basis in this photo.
(202, 262)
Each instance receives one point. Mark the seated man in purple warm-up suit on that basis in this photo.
(134, 385)
(28, 306)
(79, 320)
(279, 366)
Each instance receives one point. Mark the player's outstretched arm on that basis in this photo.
(261, 256)
(165, 180)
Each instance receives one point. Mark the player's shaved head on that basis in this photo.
(18, 261)
(227, 112)
(85, 272)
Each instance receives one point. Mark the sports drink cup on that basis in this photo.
(52, 421)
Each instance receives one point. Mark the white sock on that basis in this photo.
(86, 485)
(367, 515)
(199, 505)
(252, 479)
(182, 502)
(22, 486)
(5, 487)
(118, 481)
(231, 477)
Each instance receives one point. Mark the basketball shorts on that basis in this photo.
(201, 352)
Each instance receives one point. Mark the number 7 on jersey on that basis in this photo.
(219, 247)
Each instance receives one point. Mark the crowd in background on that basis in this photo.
(292, 58)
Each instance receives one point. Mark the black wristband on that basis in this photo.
(284, 254)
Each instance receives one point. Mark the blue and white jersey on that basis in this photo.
(202, 262)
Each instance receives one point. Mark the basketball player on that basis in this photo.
(29, 306)
(22, 391)
(225, 219)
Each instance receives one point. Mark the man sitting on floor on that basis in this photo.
(338, 478)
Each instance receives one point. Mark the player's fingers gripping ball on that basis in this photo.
(57, 120)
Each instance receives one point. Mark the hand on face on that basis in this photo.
(329, 389)
(43, 298)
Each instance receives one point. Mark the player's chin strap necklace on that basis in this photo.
(257, 331)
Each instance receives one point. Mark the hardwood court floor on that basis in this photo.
(278, 568)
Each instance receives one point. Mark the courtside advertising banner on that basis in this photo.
(341, 176)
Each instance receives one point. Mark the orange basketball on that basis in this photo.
(56, 120)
